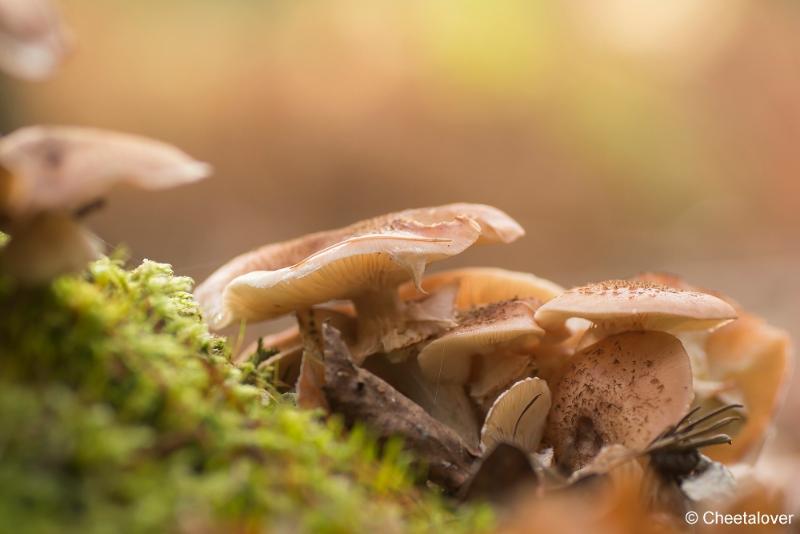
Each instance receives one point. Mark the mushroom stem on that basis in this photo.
(386, 323)
(379, 314)
(312, 367)
(49, 245)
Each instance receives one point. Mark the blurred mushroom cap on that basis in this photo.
(33, 40)
(621, 305)
(484, 285)
(755, 359)
(64, 168)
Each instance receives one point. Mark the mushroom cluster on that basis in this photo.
(482, 368)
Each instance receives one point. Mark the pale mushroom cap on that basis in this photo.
(483, 285)
(625, 389)
(495, 226)
(64, 168)
(481, 331)
(32, 39)
(518, 416)
(356, 266)
(622, 305)
(755, 360)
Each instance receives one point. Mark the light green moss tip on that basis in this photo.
(120, 412)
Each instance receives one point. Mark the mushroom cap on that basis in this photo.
(755, 359)
(625, 389)
(483, 285)
(495, 226)
(64, 168)
(481, 331)
(50, 245)
(365, 263)
(622, 305)
(518, 416)
(32, 38)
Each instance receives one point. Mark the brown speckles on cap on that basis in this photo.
(631, 305)
(481, 331)
(609, 394)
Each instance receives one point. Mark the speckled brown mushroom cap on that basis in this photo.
(495, 226)
(622, 305)
(64, 168)
(624, 389)
(32, 39)
(359, 265)
(483, 285)
(481, 331)
(518, 416)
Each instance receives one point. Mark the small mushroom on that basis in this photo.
(616, 306)
(484, 285)
(491, 347)
(518, 416)
(55, 168)
(49, 173)
(366, 269)
(32, 39)
(495, 226)
(625, 389)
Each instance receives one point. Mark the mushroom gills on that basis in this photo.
(518, 416)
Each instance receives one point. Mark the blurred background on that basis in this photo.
(624, 136)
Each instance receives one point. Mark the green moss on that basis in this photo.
(120, 412)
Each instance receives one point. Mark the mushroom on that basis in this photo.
(518, 416)
(625, 389)
(489, 349)
(484, 285)
(746, 361)
(495, 226)
(55, 168)
(32, 39)
(365, 268)
(616, 306)
(47, 174)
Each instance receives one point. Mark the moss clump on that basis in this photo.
(119, 412)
